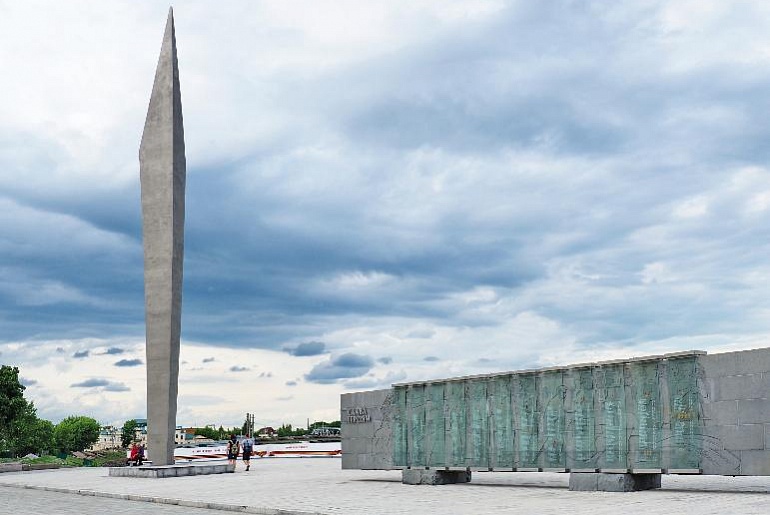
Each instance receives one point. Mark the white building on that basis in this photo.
(109, 438)
(183, 435)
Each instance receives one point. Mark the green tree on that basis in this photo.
(13, 407)
(21, 431)
(321, 423)
(12, 402)
(285, 430)
(29, 434)
(208, 432)
(43, 437)
(76, 433)
(128, 433)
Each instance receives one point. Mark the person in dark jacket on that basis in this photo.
(233, 448)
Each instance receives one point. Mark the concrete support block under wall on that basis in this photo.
(434, 477)
(602, 482)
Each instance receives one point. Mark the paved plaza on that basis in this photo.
(301, 486)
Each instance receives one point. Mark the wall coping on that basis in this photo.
(532, 371)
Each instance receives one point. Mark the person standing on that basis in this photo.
(233, 448)
(247, 444)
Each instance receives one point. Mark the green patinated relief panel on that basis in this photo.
(647, 430)
(584, 426)
(502, 454)
(614, 418)
(528, 422)
(434, 426)
(400, 428)
(415, 400)
(685, 414)
(457, 423)
(552, 390)
(478, 424)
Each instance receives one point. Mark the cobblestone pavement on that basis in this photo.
(284, 486)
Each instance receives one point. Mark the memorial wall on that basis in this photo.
(678, 413)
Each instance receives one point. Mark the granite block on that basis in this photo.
(755, 463)
(349, 461)
(719, 365)
(722, 413)
(583, 481)
(434, 477)
(739, 437)
(736, 363)
(753, 361)
(602, 482)
(753, 411)
(750, 386)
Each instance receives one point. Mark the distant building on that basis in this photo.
(184, 435)
(140, 433)
(266, 432)
(109, 438)
(326, 431)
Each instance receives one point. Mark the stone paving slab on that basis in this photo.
(319, 486)
(19, 500)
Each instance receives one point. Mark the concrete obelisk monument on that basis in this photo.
(162, 174)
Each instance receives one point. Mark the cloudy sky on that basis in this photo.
(382, 192)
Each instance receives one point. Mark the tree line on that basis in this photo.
(287, 429)
(22, 432)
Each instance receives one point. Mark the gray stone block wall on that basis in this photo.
(736, 412)
(367, 439)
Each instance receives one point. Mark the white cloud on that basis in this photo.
(360, 280)
(692, 208)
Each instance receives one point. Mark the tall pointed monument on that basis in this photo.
(162, 174)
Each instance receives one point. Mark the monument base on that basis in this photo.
(434, 477)
(160, 471)
(604, 482)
